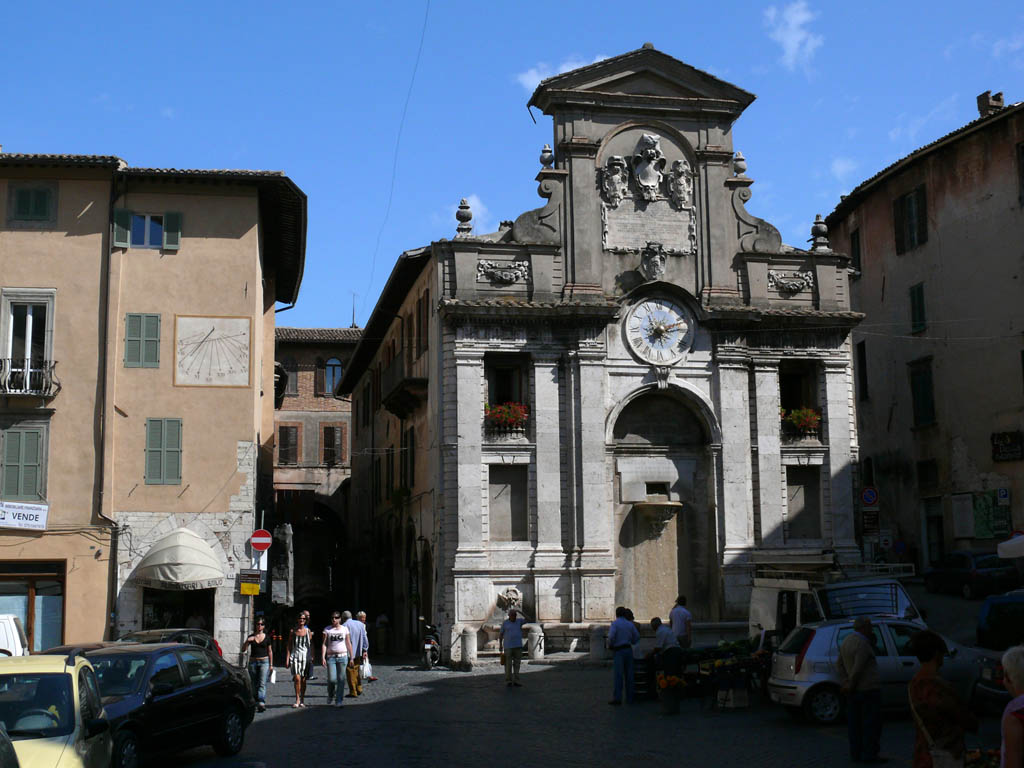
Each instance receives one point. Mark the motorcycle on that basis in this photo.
(431, 644)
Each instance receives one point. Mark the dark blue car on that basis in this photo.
(1001, 621)
(972, 574)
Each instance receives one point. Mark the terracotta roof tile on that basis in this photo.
(328, 335)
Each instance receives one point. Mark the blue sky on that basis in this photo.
(318, 91)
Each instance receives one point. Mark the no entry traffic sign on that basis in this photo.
(261, 540)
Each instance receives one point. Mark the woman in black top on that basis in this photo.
(261, 660)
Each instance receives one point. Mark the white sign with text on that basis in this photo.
(17, 514)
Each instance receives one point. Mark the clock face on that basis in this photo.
(659, 330)
(211, 351)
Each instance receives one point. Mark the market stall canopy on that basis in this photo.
(1011, 548)
(181, 560)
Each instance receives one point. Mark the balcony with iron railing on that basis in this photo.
(25, 376)
(800, 425)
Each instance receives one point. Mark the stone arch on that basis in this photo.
(663, 130)
(686, 393)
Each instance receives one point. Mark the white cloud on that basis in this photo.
(842, 167)
(531, 78)
(789, 28)
(909, 126)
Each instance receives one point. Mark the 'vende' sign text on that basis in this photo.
(16, 514)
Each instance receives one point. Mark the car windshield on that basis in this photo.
(119, 674)
(36, 706)
(866, 599)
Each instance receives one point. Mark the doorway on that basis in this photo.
(163, 608)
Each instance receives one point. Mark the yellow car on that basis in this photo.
(51, 709)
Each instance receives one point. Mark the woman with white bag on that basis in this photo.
(261, 662)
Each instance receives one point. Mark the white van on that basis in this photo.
(784, 599)
(12, 636)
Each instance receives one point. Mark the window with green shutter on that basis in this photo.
(918, 321)
(163, 452)
(32, 204)
(23, 468)
(141, 341)
(147, 230)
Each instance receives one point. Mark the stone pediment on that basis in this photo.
(643, 73)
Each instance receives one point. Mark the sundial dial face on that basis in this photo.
(212, 351)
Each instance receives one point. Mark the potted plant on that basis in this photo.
(506, 416)
(802, 420)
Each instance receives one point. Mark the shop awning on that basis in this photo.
(180, 560)
(1012, 548)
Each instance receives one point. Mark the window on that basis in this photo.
(333, 376)
(506, 378)
(910, 220)
(868, 471)
(287, 445)
(34, 592)
(507, 507)
(422, 323)
(902, 634)
(918, 322)
(333, 445)
(389, 468)
(377, 495)
(798, 384)
(200, 667)
(407, 460)
(26, 331)
(292, 369)
(88, 695)
(855, 250)
(23, 460)
(877, 643)
(862, 370)
(803, 509)
(166, 670)
(147, 230)
(367, 397)
(141, 341)
(32, 205)
(927, 476)
(921, 392)
(163, 451)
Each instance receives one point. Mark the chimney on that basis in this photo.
(989, 103)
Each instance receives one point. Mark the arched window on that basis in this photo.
(333, 376)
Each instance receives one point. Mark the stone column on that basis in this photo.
(593, 482)
(838, 425)
(548, 466)
(737, 498)
(469, 384)
(769, 451)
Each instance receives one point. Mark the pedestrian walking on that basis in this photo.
(1012, 748)
(337, 650)
(510, 643)
(682, 622)
(622, 636)
(859, 680)
(360, 647)
(261, 660)
(300, 641)
(940, 716)
(311, 652)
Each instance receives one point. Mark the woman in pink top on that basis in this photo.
(337, 650)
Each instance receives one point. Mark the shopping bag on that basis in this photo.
(273, 675)
(365, 671)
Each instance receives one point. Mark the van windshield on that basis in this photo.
(885, 598)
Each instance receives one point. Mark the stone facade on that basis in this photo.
(609, 371)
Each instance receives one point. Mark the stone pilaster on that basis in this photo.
(838, 425)
(769, 451)
(593, 480)
(734, 406)
(548, 461)
(469, 384)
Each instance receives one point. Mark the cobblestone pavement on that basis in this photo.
(412, 717)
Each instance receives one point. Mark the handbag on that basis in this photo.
(501, 658)
(941, 758)
(366, 671)
(273, 675)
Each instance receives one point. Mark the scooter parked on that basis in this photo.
(431, 644)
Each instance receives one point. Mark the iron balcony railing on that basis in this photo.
(24, 376)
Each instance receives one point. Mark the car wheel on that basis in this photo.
(126, 750)
(967, 591)
(823, 705)
(232, 733)
(931, 585)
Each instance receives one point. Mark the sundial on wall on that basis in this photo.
(212, 351)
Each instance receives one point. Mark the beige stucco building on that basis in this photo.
(149, 295)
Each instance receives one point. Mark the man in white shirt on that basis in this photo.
(664, 637)
(510, 641)
(682, 623)
(622, 636)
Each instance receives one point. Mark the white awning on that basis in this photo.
(1012, 548)
(180, 560)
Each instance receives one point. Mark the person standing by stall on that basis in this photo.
(261, 661)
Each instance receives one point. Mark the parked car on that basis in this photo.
(199, 637)
(8, 757)
(169, 697)
(804, 676)
(1001, 621)
(12, 635)
(972, 574)
(990, 693)
(51, 708)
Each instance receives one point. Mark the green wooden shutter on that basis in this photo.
(154, 451)
(122, 227)
(22, 464)
(922, 216)
(12, 464)
(133, 340)
(150, 341)
(40, 204)
(918, 321)
(898, 214)
(172, 231)
(172, 451)
(23, 204)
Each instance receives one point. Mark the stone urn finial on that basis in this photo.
(819, 235)
(739, 164)
(547, 157)
(464, 216)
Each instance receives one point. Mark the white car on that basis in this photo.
(12, 636)
(805, 679)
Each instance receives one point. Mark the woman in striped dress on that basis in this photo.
(299, 642)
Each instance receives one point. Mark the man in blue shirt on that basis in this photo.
(510, 641)
(360, 646)
(622, 636)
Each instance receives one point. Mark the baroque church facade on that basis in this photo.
(634, 391)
